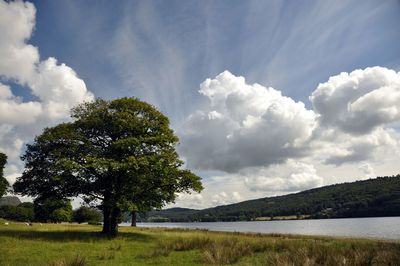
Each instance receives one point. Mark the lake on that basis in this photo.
(381, 227)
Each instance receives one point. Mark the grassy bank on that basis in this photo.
(82, 245)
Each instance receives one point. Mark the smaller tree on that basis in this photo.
(61, 215)
(3, 182)
(52, 210)
(87, 215)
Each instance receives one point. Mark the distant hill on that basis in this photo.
(9, 201)
(173, 211)
(367, 198)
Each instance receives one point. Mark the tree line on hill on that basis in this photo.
(368, 198)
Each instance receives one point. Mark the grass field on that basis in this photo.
(69, 244)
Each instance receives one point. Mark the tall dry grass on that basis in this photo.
(76, 261)
(281, 250)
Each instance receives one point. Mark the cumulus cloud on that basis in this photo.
(193, 201)
(272, 142)
(59, 88)
(354, 112)
(253, 126)
(291, 176)
(18, 59)
(10, 144)
(56, 87)
(367, 170)
(15, 112)
(360, 101)
(224, 198)
(244, 125)
(347, 148)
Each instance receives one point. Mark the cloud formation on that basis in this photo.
(291, 176)
(244, 125)
(224, 198)
(360, 101)
(368, 170)
(18, 59)
(265, 137)
(55, 87)
(341, 148)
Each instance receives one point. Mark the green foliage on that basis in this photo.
(3, 181)
(23, 212)
(61, 215)
(121, 153)
(53, 209)
(87, 215)
(368, 198)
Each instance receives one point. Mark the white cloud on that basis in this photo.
(355, 111)
(12, 172)
(270, 143)
(224, 198)
(360, 101)
(291, 176)
(346, 148)
(10, 144)
(15, 112)
(367, 170)
(18, 59)
(59, 88)
(56, 86)
(193, 201)
(243, 126)
(254, 126)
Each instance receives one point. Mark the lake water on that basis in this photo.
(382, 227)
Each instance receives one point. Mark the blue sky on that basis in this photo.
(167, 48)
(187, 58)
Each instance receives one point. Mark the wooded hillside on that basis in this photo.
(367, 198)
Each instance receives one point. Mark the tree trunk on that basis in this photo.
(114, 221)
(106, 220)
(133, 214)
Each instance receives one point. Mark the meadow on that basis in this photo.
(73, 244)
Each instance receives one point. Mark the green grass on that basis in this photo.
(80, 245)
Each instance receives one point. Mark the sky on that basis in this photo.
(267, 97)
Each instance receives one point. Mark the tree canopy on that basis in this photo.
(86, 214)
(120, 154)
(52, 209)
(3, 182)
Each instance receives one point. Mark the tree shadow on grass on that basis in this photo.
(62, 236)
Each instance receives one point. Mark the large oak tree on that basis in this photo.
(120, 154)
